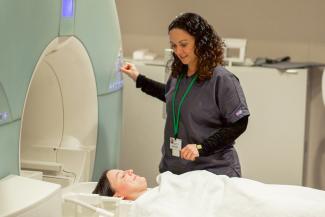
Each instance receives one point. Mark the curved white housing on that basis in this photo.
(60, 117)
(24, 197)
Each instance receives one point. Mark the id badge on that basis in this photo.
(175, 146)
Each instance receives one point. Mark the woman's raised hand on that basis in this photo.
(130, 70)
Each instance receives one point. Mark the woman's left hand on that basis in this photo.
(189, 152)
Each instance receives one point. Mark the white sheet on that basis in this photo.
(203, 194)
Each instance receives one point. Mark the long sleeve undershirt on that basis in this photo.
(219, 140)
(151, 87)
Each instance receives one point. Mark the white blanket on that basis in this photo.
(203, 194)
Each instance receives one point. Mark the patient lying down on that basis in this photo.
(201, 193)
(119, 183)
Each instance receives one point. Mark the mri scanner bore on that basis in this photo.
(60, 92)
(57, 136)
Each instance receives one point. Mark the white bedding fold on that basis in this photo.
(203, 194)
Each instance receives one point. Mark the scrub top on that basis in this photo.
(209, 105)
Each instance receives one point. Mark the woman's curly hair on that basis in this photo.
(209, 47)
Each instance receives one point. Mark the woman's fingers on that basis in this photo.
(189, 152)
(130, 70)
(126, 68)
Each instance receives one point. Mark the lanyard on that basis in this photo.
(176, 119)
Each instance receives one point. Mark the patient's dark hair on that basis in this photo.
(103, 186)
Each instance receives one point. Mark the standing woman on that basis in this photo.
(206, 106)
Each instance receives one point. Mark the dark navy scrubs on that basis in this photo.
(209, 105)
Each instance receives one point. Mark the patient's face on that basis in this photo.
(125, 183)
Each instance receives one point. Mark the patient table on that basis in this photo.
(200, 193)
(78, 201)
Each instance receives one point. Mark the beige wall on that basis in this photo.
(273, 28)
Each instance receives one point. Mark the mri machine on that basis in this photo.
(60, 96)
(60, 102)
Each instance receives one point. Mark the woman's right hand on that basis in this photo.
(130, 70)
